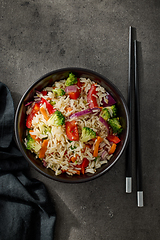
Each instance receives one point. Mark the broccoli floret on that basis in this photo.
(71, 80)
(87, 134)
(105, 114)
(115, 125)
(57, 119)
(44, 129)
(59, 91)
(112, 110)
(32, 144)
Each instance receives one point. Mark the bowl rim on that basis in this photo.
(71, 69)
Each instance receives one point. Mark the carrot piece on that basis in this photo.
(96, 147)
(113, 148)
(43, 111)
(36, 107)
(68, 109)
(73, 158)
(43, 149)
(34, 136)
(78, 172)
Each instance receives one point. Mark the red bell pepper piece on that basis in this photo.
(49, 106)
(75, 95)
(35, 110)
(91, 99)
(44, 93)
(79, 85)
(84, 165)
(72, 131)
(113, 138)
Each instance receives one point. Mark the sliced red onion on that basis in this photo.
(27, 104)
(111, 101)
(104, 122)
(38, 92)
(72, 88)
(81, 113)
(104, 154)
(99, 154)
(104, 104)
(44, 163)
(96, 111)
(102, 144)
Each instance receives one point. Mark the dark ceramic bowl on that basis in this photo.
(50, 78)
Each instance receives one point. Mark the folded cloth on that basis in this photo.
(26, 211)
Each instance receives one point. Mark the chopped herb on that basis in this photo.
(73, 147)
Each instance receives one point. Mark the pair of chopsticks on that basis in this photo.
(133, 93)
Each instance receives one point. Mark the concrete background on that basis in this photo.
(38, 36)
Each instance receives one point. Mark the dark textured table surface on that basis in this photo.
(40, 36)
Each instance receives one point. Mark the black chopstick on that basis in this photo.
(130, 90)
(137, 132)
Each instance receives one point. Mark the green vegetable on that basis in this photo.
(71, 80)
(59, 91)
(52, 102)
(57, 119)
(115, 125)
(32, 144)
(73, 147)
(105, 114)
(87, 134)
(96, 158)
(44, 129)
(112, 110)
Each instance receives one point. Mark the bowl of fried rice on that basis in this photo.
(72, 125)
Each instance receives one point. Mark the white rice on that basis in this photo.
(60, 149)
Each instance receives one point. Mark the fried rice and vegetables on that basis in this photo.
(73, 126)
